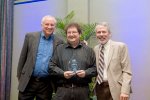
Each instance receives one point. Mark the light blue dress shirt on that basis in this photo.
(44, 54)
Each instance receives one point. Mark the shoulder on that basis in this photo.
(96, 47)
(61, 46)
(87, 48)
(33, 34)
(57, 39)
(118, 44)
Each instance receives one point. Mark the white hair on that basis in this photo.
(48, 17)
(105, 24)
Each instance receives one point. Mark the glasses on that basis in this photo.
(72, 32)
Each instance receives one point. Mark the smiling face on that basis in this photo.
(102, 34)
(48, 25)
(73, 36)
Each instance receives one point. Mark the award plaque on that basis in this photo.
(73, 65)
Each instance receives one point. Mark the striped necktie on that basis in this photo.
(101, 63)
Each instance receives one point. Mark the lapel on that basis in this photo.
(35, 44)
(97, 51)
(55, 42)
(111, 50)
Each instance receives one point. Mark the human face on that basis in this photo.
(73, 36)
(48, 26)
(102, 34)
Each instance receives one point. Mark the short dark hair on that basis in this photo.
(76, 25)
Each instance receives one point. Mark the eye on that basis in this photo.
(52, 24)
(74, 32)
(68, 32)
(103, 31)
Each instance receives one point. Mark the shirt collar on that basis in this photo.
(43, 36)
(69, 46)
(106, 45)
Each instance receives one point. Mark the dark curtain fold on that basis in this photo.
(6, 36)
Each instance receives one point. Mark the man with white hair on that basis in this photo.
(32, 72)
(113, 66)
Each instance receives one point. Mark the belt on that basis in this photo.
(73, 85)
(105, 83)
(40, 78)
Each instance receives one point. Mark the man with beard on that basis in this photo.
(113, 81)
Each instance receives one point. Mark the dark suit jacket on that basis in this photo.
(28, 57)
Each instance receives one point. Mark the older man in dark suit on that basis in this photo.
(32, 72)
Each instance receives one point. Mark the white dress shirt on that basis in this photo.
(106, 54)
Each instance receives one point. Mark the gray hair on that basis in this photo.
(48, 17)
(105, 24)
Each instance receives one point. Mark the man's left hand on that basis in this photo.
(80, 73)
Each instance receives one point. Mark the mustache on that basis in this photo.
(102, 37)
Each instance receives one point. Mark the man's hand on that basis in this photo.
(68, 74)
(124, 96)
(80, 73)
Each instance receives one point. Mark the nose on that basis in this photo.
(49, 26)
(71, 33)
(101, 33)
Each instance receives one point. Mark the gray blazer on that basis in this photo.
(28, 57)
(119, 69)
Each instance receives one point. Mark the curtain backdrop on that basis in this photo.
(6, 33)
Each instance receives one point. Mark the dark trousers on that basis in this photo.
(103, 91)
(72, 93)
(37, 88)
